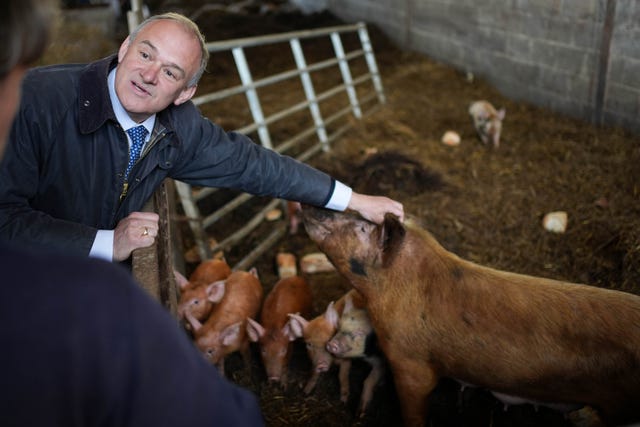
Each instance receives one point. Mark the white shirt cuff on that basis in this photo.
(340, 197)
(103, 245)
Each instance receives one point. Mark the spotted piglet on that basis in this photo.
(356, 339)
(487, 121)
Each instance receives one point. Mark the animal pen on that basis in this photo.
(357, 82)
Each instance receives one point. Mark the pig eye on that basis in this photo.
(196, 302)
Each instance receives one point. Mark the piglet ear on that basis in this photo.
(254, 330)
(181, 281)
(215, 291)
(501, 113)
(392, 234)
(231, 333)
(297, 324)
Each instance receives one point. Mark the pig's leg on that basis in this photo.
(343, 376)
(414, 382)
(245, 352)
(312, 382)
(377, 370)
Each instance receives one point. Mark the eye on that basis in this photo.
(196, 302)
(144, 55)
(170, 74)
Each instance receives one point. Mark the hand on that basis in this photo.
(373, 208)
(138, 230)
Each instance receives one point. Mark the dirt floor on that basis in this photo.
(484, 204)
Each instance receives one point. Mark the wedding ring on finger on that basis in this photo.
(145, 232)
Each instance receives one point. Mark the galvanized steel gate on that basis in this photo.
(321, 128)
(358, 82)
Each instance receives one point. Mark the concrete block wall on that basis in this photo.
(577, 57)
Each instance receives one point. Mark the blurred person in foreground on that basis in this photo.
(92, 142)
(82, 344)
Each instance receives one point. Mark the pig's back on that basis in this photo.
(289, 295)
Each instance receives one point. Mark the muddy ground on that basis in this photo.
(482, 203)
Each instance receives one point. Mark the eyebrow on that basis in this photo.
(168, 64)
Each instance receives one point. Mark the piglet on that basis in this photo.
(195, 293)
(239, 297)
(316, 333)
(273, 334)
(355, 338)
(487, 121)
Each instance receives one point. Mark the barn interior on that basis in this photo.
(483, 203)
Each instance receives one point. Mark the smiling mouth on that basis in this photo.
(139, 88)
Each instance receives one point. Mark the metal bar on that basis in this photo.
(236, 90)
(371, 62)
(309, 91)
(264, 246)
(346, 73)
(282, 37)
(227, 208)
(252, 96)
(248, 228)
(195, 221)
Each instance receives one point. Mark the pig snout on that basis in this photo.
(337, 347)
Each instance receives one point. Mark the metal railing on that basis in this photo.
(363, 90)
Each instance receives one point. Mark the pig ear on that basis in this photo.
(215, 291)
(254, 271)
(501, 113)
(348, 304)
(181, 281)
(254, 330)
(230, 333)
(287, 331)
(391, 237)
(331, 315)
(297, 324)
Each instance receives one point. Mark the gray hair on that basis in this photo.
(25, 26)
(188, 25)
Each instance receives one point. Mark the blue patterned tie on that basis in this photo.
(137, 135)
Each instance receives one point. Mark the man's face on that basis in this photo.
(10, 90)
(154, 69)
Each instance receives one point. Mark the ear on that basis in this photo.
(501, 113)
(181, 281)
(331, 315)
(254, 330)
(392, 234)
(287, 331)
(297, 324)
(254, 271)
(230, 333)
(185, 95)
(348, 304)
(215, 291)
(124, 47)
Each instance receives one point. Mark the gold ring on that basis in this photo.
(145, 232)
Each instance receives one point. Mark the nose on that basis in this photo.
(150, 73)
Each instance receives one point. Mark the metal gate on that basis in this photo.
(359, 84)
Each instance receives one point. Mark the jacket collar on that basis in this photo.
(94, 107)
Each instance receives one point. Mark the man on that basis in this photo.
(69, 182)
(82, 344)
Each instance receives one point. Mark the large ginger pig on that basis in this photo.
(436, 315)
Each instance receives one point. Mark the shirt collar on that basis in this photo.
(121, 115)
